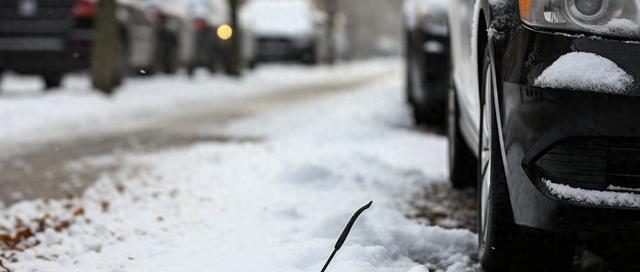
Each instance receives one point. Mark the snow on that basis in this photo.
(412, 9)
(29, 117)
(280, 17)
(274, 204)
(586, 72)
(593, 197)
(623, 27)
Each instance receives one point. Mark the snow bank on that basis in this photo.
(593, 197)
(28, 117)
(585, 71)
(277, 205)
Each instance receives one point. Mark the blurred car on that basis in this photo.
(211, 20)
(286, 30)
(427, 59)
(53, 37)
(543, 98)
(175, 34)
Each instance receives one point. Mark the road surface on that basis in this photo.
(42, 170)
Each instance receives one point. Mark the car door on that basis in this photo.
(140, 32)
(465, 71)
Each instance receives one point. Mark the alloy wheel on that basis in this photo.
(485, 152)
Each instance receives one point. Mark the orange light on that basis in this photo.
(225, 32)
(525, 9)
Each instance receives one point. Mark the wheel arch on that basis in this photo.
(484, 41)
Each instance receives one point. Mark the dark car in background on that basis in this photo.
(53, 37)
(543, 108)
(174, 34)
(427, 59)
(286, 31)
(211, 20)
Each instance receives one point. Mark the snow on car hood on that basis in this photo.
(585, 71)
(279, 18)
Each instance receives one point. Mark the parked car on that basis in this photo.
(50, 38)
(543, 99)
(175, 34)
(286, 30)
(427, 60)
(211, 20)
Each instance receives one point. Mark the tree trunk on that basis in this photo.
(331, 8)
(107, 57)
(236, 58)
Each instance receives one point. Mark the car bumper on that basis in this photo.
(39, 55)
(282, 49)
(584, 139)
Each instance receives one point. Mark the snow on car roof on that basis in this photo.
(411, 9)
(280, 17)
(216, 12)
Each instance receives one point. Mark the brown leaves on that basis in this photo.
(105, 206)
(79, 212)
(3, 267)
(7, 240)
(120, 188)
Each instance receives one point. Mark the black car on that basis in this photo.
(543, 109)
(212, 36)
(427, 60)
(53, 37)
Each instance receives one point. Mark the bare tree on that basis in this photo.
(331, 8)
(107, 61)
(236, 61)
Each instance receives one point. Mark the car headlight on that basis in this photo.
(608, 17)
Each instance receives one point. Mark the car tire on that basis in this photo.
(169, 55)
(503, 245)
(420, 110)
(52, 81)
(462, 162)
(191, 70)
(253, 64)
(425, 109)
(408, 86)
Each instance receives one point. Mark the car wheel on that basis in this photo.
(253, 64)
(169, 57)
(407, 61)
(52, 81)
(419, 107)
(462, 162)
(425, 109)
(191, 70)
(504, 246)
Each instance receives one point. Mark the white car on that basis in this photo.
(285, 30)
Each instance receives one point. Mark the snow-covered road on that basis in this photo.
(266, 191)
